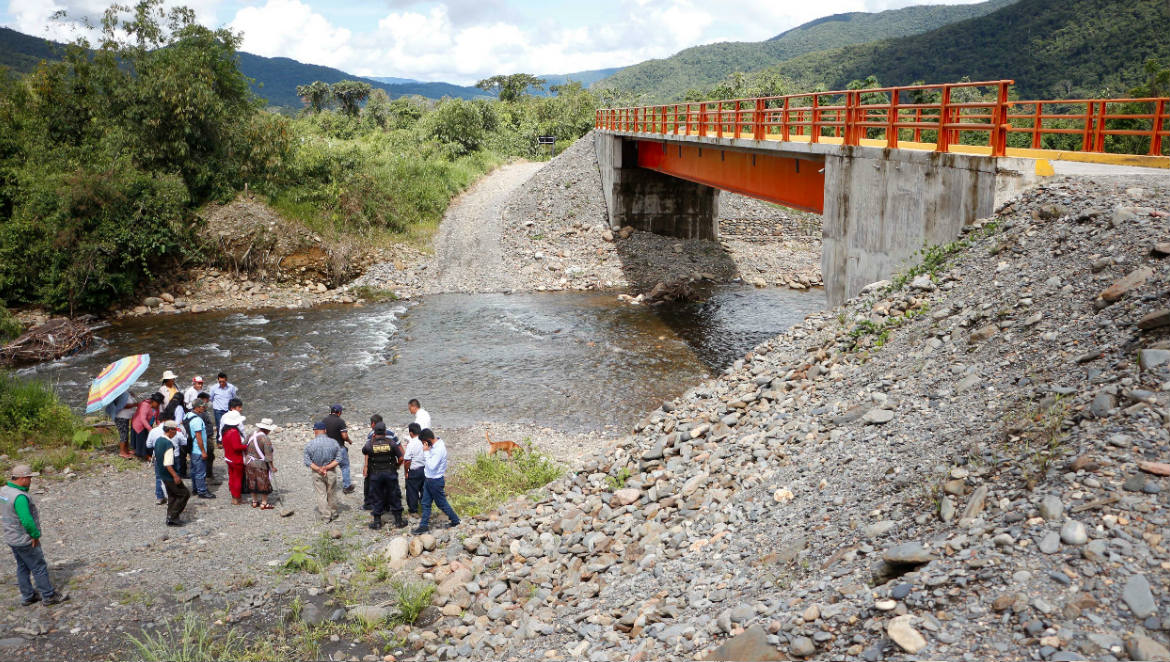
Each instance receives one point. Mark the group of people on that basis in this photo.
(423, 461)
(178, 432)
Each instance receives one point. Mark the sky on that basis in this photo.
(462, 41)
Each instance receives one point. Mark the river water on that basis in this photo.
(572, 361)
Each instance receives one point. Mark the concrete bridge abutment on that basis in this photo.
(883, 206)
(651, 201)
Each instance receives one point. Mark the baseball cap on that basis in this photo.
(197, 379)
(336, 409)
(24, 471)
(379, 428)
(319, 425)
(170, 425)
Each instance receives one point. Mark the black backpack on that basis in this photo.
(168, 412)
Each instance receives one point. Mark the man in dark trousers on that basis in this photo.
(412, 467)
(367, 500)
(22, 531)
(164, 470)
(336, 430)
(383, 455)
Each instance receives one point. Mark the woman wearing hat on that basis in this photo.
(231, 437)
(258, 464)
(168, 388)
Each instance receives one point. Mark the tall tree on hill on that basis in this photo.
(511, 88)
(315, 95)
(350, 94)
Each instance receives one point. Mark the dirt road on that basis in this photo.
(468, 248)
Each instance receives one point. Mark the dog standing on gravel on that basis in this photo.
(508, 447)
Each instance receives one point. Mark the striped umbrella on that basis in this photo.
(116, 379)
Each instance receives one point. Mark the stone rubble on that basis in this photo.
(845, 493)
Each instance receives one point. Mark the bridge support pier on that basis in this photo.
(651, 201)
(883, 206)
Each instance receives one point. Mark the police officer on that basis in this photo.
(383, 456)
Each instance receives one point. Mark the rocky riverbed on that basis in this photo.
(968, 461)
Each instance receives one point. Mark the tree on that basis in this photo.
(377, 112)
(315, 95)
(511, 88)
(350, 94)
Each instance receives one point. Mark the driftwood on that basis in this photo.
(56, 338)
(677, 291)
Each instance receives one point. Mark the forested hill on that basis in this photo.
(274, 78)
(703, 66)
(1051, 48)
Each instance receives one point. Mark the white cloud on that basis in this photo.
(289, 28)
(36, 17)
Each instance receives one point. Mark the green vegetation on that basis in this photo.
(703, 67)
(191, 640)
(10, 327)
(490, 480)
(107, 153)
(32, 415)
(1051, 48)
(618, 481)
(317, 555)
(412, 597)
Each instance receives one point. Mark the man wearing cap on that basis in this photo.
(168, 427)
(383, 455)
(22, 532)
(164, 472)
(192, 392)
(322, 456)
(336, 429)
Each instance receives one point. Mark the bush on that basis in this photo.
(31, 414)
(490, 480)
(10, 327)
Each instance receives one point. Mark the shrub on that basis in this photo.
(10, 327)
(31, 413)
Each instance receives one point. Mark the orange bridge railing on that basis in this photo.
(972, 117)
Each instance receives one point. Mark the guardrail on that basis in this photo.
(973, 117)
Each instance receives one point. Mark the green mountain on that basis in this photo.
(274, 78)
(1051, 48)
(703, 66)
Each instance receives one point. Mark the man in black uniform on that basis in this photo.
(383, 455)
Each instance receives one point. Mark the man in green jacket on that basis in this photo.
(22, 531)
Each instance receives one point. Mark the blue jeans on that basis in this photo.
(218, 415)
(346, 483)
(31, 561)
(159, 492)
(433, 492)
(199, 474)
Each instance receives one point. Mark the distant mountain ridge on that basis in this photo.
(274, 78)
(1051, 48)
(668, 79)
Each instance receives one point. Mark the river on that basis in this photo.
(572, 361)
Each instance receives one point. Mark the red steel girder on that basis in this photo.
(784, 180)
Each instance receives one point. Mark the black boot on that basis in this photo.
(376, 524)
(399, 523)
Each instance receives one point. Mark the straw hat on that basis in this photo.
(233, 417)
(169, 375)
(266, 424)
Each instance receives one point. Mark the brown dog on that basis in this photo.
(508, 447)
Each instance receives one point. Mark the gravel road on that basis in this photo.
(468, 252)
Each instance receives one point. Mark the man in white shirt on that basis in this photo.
(192, 392)
(177, 439)
(420, 415)
(434, 483)
(412, 462)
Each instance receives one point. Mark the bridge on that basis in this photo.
(891, 169)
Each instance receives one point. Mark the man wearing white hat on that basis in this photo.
(168, 389)
(22, 531)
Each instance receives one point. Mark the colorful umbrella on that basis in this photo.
(116, 379)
